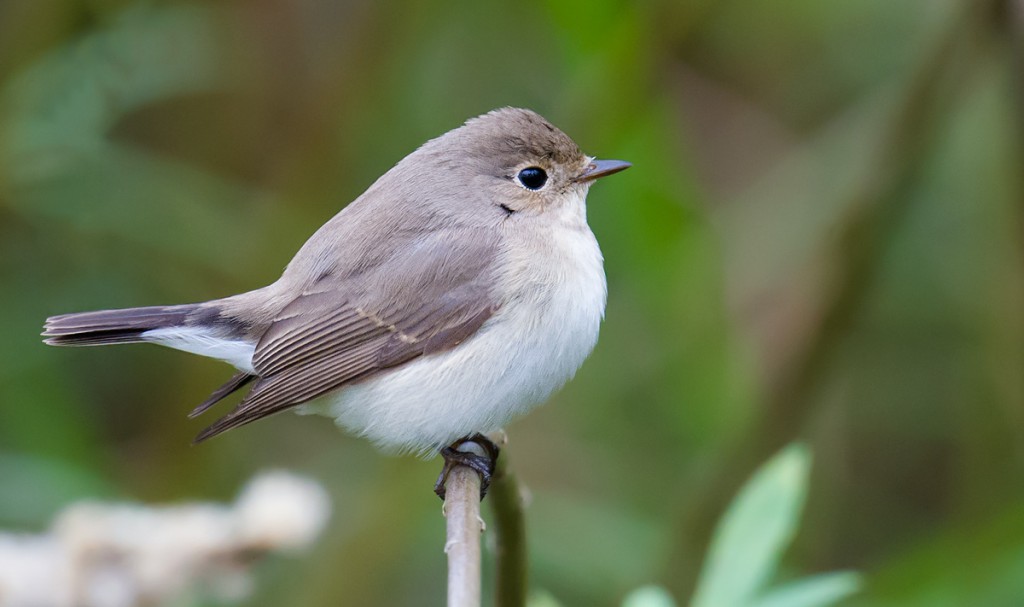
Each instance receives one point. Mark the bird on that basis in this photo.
(460, 290)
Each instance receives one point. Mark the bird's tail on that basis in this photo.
(113, 326)
(197, 328)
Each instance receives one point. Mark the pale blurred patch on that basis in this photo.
(118, 555)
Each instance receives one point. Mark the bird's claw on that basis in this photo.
(482, 464)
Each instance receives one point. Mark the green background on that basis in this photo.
(822, 238)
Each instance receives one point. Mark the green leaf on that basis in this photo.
(754, 532)
(815, 591)
(649, 596)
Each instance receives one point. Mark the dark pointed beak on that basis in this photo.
(601, 168)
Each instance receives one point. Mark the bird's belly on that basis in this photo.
(527, 350)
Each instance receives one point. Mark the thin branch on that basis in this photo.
(509, 537)
(462, 510)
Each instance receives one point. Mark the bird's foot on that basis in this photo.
(454, 455)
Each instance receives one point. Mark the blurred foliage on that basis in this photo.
(748, 545)
(755, 531)
(821, 239)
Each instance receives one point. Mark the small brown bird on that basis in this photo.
(460, 290)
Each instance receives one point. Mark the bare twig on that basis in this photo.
(462, 509)
(509, 537)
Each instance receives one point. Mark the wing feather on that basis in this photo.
(348, 328)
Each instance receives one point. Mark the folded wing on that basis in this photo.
(348, 327)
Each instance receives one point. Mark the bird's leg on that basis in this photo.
(483, 464)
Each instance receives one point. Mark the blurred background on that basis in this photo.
(821, 239)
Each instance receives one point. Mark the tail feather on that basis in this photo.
(194, 328)
(112, 326)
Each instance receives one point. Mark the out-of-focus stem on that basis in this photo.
(876, 211)
(509, 530)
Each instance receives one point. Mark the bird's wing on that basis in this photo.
(432, 296)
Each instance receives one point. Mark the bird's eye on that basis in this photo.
(533, 178)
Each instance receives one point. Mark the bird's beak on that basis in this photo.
(600, 168)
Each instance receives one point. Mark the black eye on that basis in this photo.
(533, 178)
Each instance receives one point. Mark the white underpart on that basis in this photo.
(535, 343)
(205, 342)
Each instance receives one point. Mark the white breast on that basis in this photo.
(534, 344)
